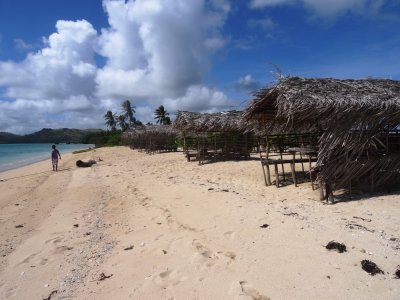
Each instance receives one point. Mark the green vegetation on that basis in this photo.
(47, 135)
(162, 116)
(105, 138)
(125, 120)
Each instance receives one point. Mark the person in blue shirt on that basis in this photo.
(54, 157)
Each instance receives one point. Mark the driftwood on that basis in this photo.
(85, 164)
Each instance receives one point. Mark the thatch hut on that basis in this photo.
(356, 122)
(152, 138)
(214, 136)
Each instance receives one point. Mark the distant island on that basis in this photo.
(47, 135)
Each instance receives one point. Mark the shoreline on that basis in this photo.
(158, 227)
(37, 158)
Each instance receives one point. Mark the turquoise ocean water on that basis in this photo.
(17, 155)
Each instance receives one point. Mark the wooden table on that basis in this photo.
(308, 151)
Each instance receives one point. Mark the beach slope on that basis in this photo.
(138, 226)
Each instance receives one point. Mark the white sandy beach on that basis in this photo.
(138, 226)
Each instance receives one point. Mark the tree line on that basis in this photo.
(127, 119)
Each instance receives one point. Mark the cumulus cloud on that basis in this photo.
(199, 98)
(58, 79)
(158, 48)
(326, 8)
(247, 84)
(155, 52)
(63, 68)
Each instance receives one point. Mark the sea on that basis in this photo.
(17, 155)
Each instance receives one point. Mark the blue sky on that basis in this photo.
(65, 63)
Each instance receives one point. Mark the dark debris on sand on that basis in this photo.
(397, 273)
(264, 226)
(370, 267)
(104, 276)
(51, 295)
(332, 245)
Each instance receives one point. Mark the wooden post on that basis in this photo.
(267, 155)
(276, 174)
(311, 172)
(263, 161)
(283, 168)
(329, 193)
(321, 191)
(292, 165)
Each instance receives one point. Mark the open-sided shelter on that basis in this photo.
(356, 123)
(152, 138)
(214, 136)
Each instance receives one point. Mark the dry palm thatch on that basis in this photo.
(208, 122)
(214, 136)
(151, 137)
(356, 118)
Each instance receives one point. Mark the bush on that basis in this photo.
(104, 138)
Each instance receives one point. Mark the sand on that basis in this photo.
(138, 226)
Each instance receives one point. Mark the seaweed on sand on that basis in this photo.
(370, 267)
(332, 245)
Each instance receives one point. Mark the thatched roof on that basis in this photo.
(314, 102)
(151, 129)
(350, 114)
(228, 121)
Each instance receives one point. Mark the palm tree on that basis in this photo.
(162, 116)
(110, 120)
(167, 121)
(121, 122)
(128, 111)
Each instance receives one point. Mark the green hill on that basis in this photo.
(47, 135)
(9, 138)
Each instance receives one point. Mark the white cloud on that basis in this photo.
(199, 98)
(247, 84)
(265, 3)
(162, 44)
(155, 51)
(326, 8)
(51, 83)
(62, 69)
(22, 45)
(265, 24)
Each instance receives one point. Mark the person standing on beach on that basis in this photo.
(54, 157)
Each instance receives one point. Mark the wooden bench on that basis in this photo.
(292, 162)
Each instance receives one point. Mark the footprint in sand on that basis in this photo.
(28, 258)
(207, 258)
(230, 235)
(250, 291)
(168, 279)
(34, 260)
(204, 251)
(61, 249)
(55, 241)
(230, 255)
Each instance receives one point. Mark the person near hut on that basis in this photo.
(55, 154)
